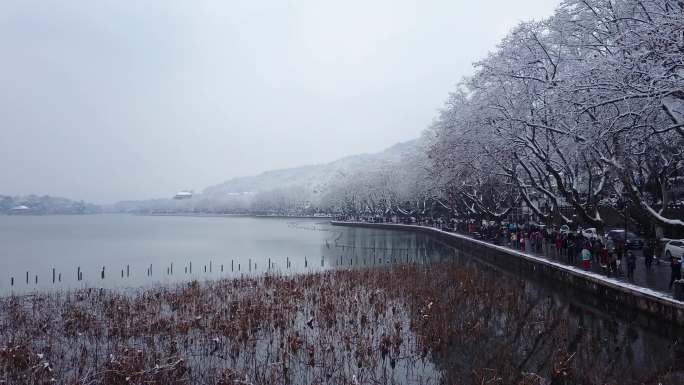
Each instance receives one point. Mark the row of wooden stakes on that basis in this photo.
(126, 272)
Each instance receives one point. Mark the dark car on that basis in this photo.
(633, 242)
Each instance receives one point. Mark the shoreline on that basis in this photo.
(654, 303)
(327, 218)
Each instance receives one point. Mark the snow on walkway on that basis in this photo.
(608, 281)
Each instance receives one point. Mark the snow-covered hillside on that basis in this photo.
(316, 180)
(288, 189)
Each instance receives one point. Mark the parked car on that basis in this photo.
(590, 233)
(674, 248)
(632, 241)
(564, 229)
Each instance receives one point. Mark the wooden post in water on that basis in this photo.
(269, 264)
(221, 268)
(12, 281)
(122, 273)
(210, 266)
(305, 262)
(238, 267)
(27, 273)
(103, 272)
(59, 277)
(128, 270)
(231, 265)
(36, 279)
(250, 264)
(53, 275)
(190, 267)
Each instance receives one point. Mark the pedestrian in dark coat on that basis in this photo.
(612, 262)
(648, 256)
(675, 270)
(603, 257)
(596, 249)
(619, 252)
(631, 265)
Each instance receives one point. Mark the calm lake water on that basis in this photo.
(231, 246)
(215, 247)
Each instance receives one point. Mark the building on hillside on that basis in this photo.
(21, 209)
(183, 195)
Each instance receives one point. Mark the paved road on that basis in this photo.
(657, 278)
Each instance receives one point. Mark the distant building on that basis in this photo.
(21, 209)
(183, 195)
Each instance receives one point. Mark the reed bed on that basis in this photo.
(410, 324)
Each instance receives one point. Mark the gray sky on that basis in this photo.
(130, 99)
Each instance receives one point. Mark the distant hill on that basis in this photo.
(44, 205)
(309, 184)
(315, 179)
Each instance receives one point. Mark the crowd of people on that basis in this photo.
(613, 257)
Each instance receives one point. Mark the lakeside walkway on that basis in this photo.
(657, 277)
(651, 283)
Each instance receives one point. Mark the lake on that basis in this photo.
(179, 248)
(218, 247)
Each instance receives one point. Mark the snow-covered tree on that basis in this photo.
(568, 112)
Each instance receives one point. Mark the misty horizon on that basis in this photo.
(121, 100)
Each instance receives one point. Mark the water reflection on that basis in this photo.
(121, 251)
(608, 340)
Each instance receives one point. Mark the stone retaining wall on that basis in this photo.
(653, 303)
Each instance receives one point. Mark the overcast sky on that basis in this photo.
(130, 99)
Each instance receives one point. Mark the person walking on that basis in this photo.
(603, 257)
(532, 240)
(550, 238)
(657, 251)
(675, 270)
(631, 265)
(586, 258)
(619, 251)
(648, 256)
(570, 249)
(612, 262)
(579, 244)
(596, 249)
(540, 241)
